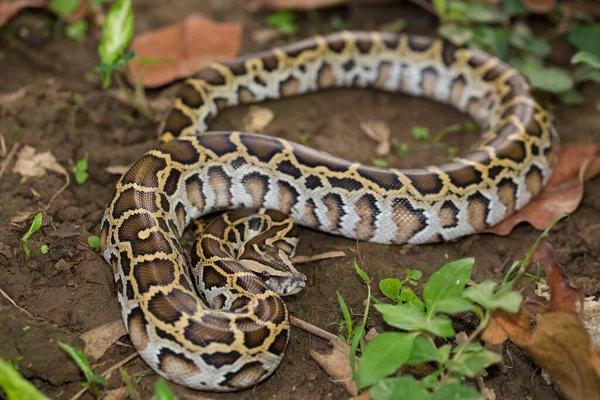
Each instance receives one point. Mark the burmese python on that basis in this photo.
(193, 172)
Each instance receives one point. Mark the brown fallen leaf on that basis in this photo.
(99, 339)
(577, 162)
(539, 6)
(559, 343)
(380, 132)
(184, 48)
(32, 164)
(257, 119)
(9, 9)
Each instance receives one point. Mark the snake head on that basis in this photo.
(275, 268)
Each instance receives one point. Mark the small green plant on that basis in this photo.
(339, 23)
(304, 138)
(80, 171)
(283, 21)
(95, 243)
(422, 133)
(63, 8)
(162, 391)
(130, 383)
(381, 163)
(44, 249)
(400, 148)
(94, 383)
(35, 226)
(77, 100)
(14, 386)
(26, 328)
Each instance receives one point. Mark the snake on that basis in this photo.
(216, 320)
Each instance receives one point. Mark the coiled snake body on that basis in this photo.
(238, 339)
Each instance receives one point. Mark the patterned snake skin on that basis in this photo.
(235, 334)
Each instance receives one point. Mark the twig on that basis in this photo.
(8, 159)
(11, 301)
(62, 189)
(107, 373)
(315, 330)
(318, 257)
(3, 146)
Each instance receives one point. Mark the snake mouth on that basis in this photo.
(294, 286)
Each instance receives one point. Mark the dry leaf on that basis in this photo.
(116, 394)
(576, 163)
(380, 132)
(99, 339)
(184, 48)
(30, 164)
(257, 119)
(9, 9)
(337, 366)
(539, 6)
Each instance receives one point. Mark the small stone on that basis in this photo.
(71, 283)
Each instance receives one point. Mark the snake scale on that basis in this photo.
(232, 333)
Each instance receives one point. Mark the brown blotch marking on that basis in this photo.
(213, 278)
(461, 175)
(533, 180)
(366, 210)
(534, 128)
(125, 263)
(240, 303)
(211, 76)
(221, 103)
(169, 307)
(175, 364)
(220, 183)
(131, 199)
(335, 211)
(172, 182)
(384, 71)
(336, 43)
(270, 61)
(136, 326)
(477, 58)
(155, 242)
(477, 211)
(176, 122)
(218, 142)
(262, 147)
(408, 220)
(420, 43)
(326, 77)
(296, 48)
(271, 309)
(507, 193)
(429, 81)
(238, 67)
(129, 294)
(310, 216)
(181, 151)
(250, 283)
(278, 345)
(254, 333)
(203, 334)
(383, 178)
(313, 158)
(190, 96)
(495, 72)
(448, 54)
(256, 186)
(151, 273)
(512, 149)
(104, 234)
(448, 215)
(145, 171)
(391, 40)
(475, 105)
(288, 196)
(181, 214)
(350, 184)
(219, 359)
(289, 87)
(457, 88)
(193, 187)
(245, 95)
(248, 375)
(364, 44)
(425, 182)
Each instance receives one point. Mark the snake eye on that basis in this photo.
(264, 276)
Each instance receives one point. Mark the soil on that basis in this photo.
(70, 289)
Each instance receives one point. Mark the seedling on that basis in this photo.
(35, 226)
(95, 243)
(304, 138)
(283, 21)
(422, 133)
(77, 30)
(80, 171)
(94, 383)
(130, 383)
(381, 163)
(162, 391)
(14, 386)
(44, 249)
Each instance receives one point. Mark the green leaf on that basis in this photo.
(430, 381)
(457, 34)
(420, 133)
(35, 226)
(448, 281)
(95, 243)
(454, 305)
(401, 387)
(383, 356)
(571, 98)
(411, 318)
(494, 40)
(414, 274)
(408, 296)
(117, 32)
(79, 358)
(345, 313)
(80, 171)
(14, 385)
(359, 332)
(514, 8)
(390, 287)
(471, 347)
(283, 21)
(423, 351)
(585, 38)
(381, 163)
(162, 391)
(44, 249)
(363, 275)
(456, 391)
(64, 7)
(484, 295)
(482, 13)
(587, 58)
(77, 30)
(470, 364)
(552, 79)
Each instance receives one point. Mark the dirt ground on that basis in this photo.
(70, 290)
